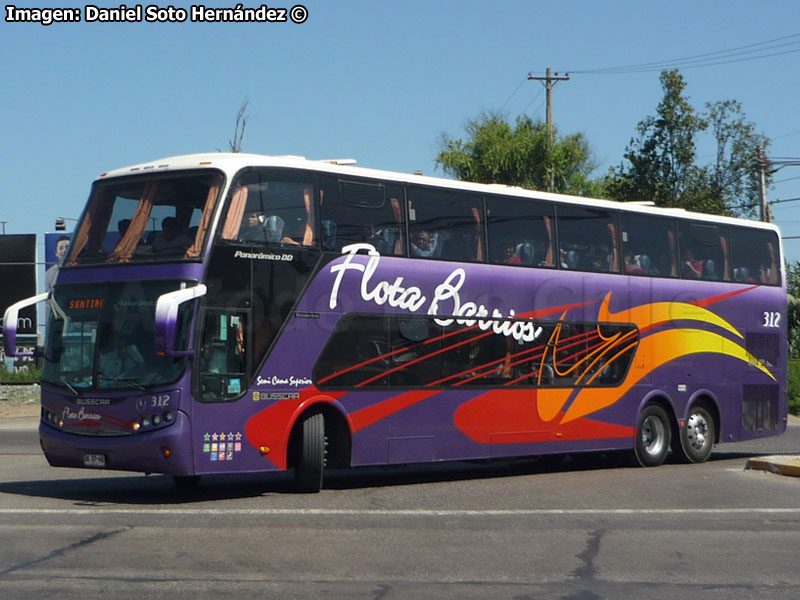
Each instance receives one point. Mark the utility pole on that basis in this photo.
(762, 183)
(549, 81)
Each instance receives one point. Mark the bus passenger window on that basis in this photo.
(520, 232)
(648, 245)
(754, 256)
(270, 207)
(362, 212)
(704, 251)
(588, 239)
(447, 225)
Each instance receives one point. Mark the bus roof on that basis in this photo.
(230, 163)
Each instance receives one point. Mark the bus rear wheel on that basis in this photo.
(310, 460)
(653, 435)
(697, 437)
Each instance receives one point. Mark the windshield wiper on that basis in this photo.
(70, 387)
(131, 382)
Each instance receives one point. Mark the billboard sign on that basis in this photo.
(17, 282)
(18, 277)
(55, 249)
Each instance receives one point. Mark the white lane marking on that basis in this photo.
(333, 512)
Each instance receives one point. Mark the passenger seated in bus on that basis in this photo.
(598, 262)
(122, 226)
(507, 257)
(425, 244)
(632, 267)
(525, 253)
(569, 259)
(692, 269)
(171, 240)
(254, 228)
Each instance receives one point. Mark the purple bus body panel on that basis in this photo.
(219, 437)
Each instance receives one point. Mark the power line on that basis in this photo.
(791, 133)
(541, 91)
(502, 106)
(708, 59)
(784, 180)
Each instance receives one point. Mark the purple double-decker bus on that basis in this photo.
(233, 313)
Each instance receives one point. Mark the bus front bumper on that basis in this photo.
(166, 450)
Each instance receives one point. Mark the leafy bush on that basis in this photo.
(29, 376)
(793, 387)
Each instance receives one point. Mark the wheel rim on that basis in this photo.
(653, 435)
(697, 431)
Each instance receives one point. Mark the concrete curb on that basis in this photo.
(781, 465)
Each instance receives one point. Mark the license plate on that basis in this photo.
(96, 461)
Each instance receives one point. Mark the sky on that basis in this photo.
(378, 81)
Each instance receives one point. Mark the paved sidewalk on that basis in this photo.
(22, 422)
(780, 464)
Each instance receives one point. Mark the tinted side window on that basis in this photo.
(520, 232)
(648, 246)
(375, 351)
(587, 239)
(270, 206)
(704, 251)
(446, 225)
(362, 211)
(754, 256)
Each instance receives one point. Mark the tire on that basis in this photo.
(653, 434)
(310, 459)
(697, 437)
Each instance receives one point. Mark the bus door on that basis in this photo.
(223, 372)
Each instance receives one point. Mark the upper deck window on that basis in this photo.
(521, 232)
(148, 218)
(648, 246)
(445, 224)
(587, 239)
(754, 256)
(270, 206)
(704, 251)
(362, 212)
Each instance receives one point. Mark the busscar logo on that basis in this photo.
(263, 396)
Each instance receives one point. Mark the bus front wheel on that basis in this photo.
(653, 434)
(310, 459)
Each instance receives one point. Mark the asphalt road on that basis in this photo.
(576, 528)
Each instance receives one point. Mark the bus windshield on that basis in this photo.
(149, 218)
(102, 337)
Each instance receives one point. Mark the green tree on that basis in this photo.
(793, 308)
(520, 155)
(732, 180)
(660, 162)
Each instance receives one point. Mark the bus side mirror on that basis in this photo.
(10, 320)
(166, 323)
